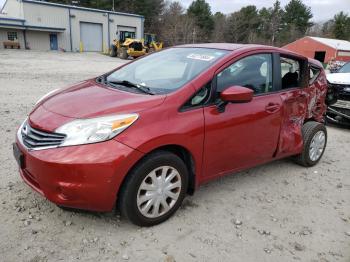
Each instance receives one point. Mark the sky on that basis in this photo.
(321, 9)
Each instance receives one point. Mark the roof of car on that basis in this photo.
(246, 47)
(224, 46)
(315, 62)
(233, 47)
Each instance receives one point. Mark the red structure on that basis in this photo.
(321, 49)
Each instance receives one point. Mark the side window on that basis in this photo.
(290, 73)
(313, 74)
(254, 72)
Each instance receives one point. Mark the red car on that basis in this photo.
(148, 133)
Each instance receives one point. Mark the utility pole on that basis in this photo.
(113, 6)
(194, 35)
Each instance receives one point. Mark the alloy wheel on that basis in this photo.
(317, 145)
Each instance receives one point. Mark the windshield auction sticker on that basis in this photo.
(201, 57)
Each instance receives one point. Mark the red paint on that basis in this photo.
(87, 100)
(243, 135)
(237, 94)
(307, 46)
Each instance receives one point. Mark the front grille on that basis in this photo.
(342, 91)
(34, 138)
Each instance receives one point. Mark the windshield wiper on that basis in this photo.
(142, 88)
(101, 79)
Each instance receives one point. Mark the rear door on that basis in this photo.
(245, 134)
(296, 96)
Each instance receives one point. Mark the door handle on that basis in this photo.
(272, 108)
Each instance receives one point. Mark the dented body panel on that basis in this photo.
(300, 106)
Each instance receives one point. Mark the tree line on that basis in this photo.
(275, 25)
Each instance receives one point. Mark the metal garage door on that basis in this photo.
(91, 36)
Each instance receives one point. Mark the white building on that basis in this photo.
(40, 25)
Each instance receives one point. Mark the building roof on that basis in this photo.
(7, 18)
(334, 43)
(79, 8)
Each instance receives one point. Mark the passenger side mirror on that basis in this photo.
(237, 94)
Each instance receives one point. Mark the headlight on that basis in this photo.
(92, 130)
(44, 96)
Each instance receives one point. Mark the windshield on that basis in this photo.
(344, 69)
(168, 70)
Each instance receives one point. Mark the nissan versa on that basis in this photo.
(146, 134)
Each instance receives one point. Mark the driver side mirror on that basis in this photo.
(237, 94)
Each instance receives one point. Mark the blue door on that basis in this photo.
(53, 42)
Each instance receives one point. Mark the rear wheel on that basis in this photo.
(154, 189)
(315, 141)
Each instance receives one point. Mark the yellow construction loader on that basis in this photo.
(128, 46)
(151, 43)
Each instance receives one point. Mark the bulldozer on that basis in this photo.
(128, 46)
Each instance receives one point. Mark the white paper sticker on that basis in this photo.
(201, 57)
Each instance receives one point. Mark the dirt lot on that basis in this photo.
(275, 212)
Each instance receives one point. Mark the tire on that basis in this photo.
(113, 51)
(132, 203)
(311, 130)
(123, 53)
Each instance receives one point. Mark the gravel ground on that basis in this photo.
(275, 212)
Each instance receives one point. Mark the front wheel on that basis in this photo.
(113, 52)
(123, 53)
(315, 141)
(154, 189)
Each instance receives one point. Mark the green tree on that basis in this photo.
(271, 23)
(243, 26)
(341, 26)
(200, 11)
(297, 20)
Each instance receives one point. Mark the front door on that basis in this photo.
(53, 42)
(244, 134)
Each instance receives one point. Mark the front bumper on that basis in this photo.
(339, 113)
(83, 177)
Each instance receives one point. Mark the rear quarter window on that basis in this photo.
(314, 72)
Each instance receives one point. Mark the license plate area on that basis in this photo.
(17, 153)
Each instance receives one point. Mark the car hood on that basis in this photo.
(339, 78)
(89, 99)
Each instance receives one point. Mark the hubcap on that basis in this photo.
(159, 191)
(317, 145)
